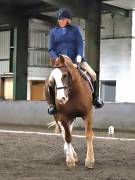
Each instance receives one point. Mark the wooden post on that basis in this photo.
(20, 60)
(92, 41)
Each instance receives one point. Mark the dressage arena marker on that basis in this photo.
(52, 134)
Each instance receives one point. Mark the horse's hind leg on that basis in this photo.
(89, 161)
(69, 150)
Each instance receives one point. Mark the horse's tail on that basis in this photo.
(51, 124)
(57, 129)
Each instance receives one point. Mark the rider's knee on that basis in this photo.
(94, 76)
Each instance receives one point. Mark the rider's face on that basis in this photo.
(63, 22)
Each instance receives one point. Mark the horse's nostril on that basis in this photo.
(62, 100)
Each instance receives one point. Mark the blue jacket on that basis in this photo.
(69, 43)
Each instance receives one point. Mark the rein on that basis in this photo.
(58, 67)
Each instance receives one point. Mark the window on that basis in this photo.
(38, 43)
(4, 45)
(4, 51)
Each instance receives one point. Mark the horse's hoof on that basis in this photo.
(89, 164)
(70, 162)
(76, 158)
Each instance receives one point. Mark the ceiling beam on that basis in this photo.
(43, 17)
(78, 7)
(114, 10)
(10, 17)
(5, 27)
(6, 15)
(38, 8)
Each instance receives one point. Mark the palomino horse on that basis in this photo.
(72, 96)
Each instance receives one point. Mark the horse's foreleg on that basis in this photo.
(89, 161)
(65, 145)
(68, 148)
(71, 129)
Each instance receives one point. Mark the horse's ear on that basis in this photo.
(61, 58)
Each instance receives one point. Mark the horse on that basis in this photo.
(72, 96)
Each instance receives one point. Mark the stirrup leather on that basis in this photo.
(87, 77)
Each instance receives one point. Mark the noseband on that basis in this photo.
(62, 87)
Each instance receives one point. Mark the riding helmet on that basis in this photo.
(64, 13)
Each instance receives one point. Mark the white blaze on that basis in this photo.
(57, 75)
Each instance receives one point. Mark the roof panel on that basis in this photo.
(127, 4)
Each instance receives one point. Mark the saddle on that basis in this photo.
(87, 77)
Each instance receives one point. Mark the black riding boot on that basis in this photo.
(97, 102)
(51, 109)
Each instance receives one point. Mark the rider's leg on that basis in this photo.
(97, 102)
(51, 100)
(87, 67)
(52, 107)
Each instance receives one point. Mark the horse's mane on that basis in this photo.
(71, 67)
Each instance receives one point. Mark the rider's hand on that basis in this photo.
(75, 65)
(56, 60)
(78, 59)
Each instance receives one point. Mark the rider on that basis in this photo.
(67, 39)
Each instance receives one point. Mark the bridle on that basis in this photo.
(62, 87)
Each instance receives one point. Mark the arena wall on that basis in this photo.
(119, 115)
